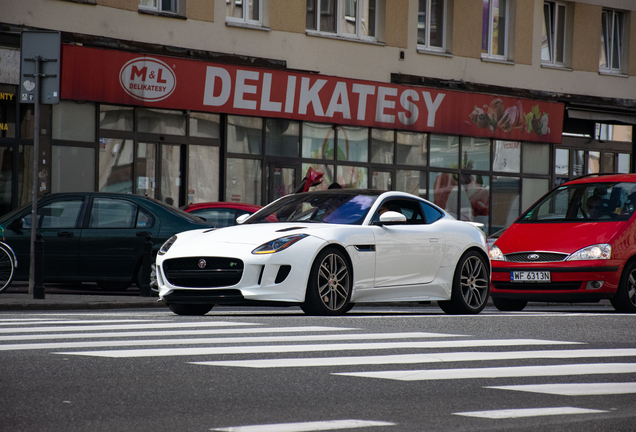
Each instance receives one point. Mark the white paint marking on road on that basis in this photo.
(125, 327)
(306, 426)
(161, 352)
(423, 358)
(529, 412)
(574, 389)
(221, 340)
(39, 322)
(213, 331)
(499, 372)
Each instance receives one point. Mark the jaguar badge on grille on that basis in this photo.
(202, 263)
(532, 257)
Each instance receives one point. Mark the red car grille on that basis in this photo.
(532, 257)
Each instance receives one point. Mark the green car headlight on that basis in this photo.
(594, 252)
(279, 244)
(167, 245)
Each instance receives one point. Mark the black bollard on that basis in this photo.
(144, 289)
(38, 276)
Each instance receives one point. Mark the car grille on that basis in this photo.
(548, 286)
(217, 272)
(540, 257)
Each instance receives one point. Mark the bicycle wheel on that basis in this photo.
(7, 267)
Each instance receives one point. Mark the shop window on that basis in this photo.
(352, 177)
(171, 6)
(609, 162)
(382, 143)
(244, 11)
(72, 169)
(116, 118)
(25, 174)
(243, 181)
(476, 153)
(160, 121)
(282, 137)
(318, 141)
(494, 36)
(610, 132)
(431, 25)
(6, 178)
(8, 97)
(610, 60)
(27, 121)
(74, 121)
(444, 191)
(381, 180)
(535, 156)
(533, 189)
(444, 151)
(145, 167)
(553, 37)
(593, 162)
(203, 173)
(353, 143)
(411, 181)
(349, 18)
(475, 198)
(624, 163)
(507, 156)
(328, 174)
(561, 166)
(579, 163)
(244, 135)
(205, 125)
(170, 174)
(115, 165)
(411, 148)
(505, 201)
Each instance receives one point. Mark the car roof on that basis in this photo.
(603, 178)
(221, 204)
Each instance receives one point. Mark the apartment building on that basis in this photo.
(480, 106)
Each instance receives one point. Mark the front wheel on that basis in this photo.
(329, 285)
(509, 305)
(190, 309)
(625, 298)
(7, 267)
(471, 284)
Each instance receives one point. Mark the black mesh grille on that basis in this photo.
(525, 257)
(200, 272)
(551, 286)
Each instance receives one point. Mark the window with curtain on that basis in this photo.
(245, 11)
(431, 25)
(553, 37)
(611, 41)
(350, 18)
(160, 5)
(494, 35)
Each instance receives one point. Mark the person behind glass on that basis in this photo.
(595, 207)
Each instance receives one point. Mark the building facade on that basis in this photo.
(478, 106)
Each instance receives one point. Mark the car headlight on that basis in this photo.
(496, 254)
(594, 252)
(279, 244)
(167, 245)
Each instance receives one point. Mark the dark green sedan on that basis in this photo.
(94, 236)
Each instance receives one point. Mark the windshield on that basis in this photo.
(591, 202)
(327, 207)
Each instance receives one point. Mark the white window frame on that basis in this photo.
(246, 13)
(158, 5)
(491, 10)
(614, 17)
(321, 6)
(427, 36)
(553, 31)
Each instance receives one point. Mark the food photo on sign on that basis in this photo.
(496, 116)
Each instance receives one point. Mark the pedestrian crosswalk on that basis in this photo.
(343, 351)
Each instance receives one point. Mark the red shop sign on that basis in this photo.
(166, 82)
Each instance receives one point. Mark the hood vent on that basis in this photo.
(290, 229)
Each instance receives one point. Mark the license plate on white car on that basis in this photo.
(529, 276)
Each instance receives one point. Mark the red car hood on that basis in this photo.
(556, 237)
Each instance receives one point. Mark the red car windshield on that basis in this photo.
(585, 202)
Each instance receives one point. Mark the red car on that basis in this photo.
(221, 214)
(576, 244)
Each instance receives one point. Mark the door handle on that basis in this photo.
(65, 234)
(143, 233)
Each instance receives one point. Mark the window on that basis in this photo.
(611, 41)
(431, 23)
(159, 5)
(350, 18)
(494, 29)
(58, 214)
(245, 11)
(553, 39)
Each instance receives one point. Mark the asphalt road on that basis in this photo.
(376, 369)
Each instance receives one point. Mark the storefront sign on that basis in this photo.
(164, 82)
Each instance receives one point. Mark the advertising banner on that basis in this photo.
(118, 77)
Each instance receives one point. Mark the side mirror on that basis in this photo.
(242, 218)
(391, 218)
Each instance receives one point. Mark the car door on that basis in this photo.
(58, 220)
(407, 253)
(112, 240)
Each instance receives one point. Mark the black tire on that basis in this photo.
(190, 309)
(7, 268)
(625, 298)
(113, 286)
(509, 305)
(329, 285)
(471, 285)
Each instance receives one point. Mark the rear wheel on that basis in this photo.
(471, 284)
(625, 298)
(190, 309)
(509, 305)
(329, 286)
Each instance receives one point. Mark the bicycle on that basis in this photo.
(8, 263)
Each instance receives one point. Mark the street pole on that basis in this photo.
(34, 198)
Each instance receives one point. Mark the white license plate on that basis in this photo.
(529, 276)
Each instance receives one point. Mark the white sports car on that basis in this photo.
(326, 251)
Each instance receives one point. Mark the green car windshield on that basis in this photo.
(585, 202)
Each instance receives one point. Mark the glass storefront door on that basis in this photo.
(162, 179)
(281, 181)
